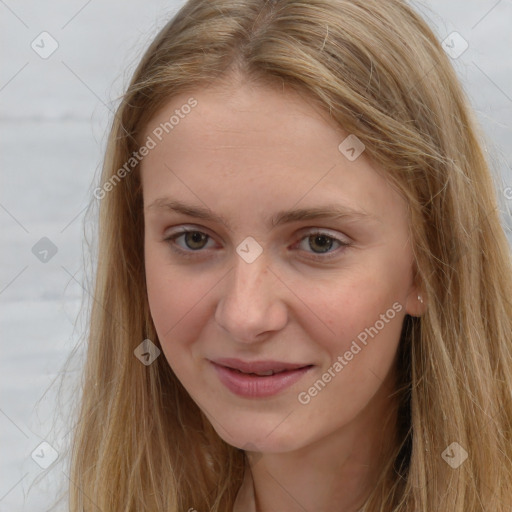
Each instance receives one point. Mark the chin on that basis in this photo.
(251, 436)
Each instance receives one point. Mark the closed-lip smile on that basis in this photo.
(254, 379)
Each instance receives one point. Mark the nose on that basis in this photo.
(251, 303)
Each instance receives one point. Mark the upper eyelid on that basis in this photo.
(183, 229)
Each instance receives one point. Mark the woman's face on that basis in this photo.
(260, 279)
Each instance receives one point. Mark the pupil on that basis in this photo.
(322, 239)
(194, 237)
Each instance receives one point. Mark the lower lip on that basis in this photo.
(253, 386)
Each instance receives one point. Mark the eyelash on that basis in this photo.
(171, 240)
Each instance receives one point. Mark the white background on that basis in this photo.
(54, 118)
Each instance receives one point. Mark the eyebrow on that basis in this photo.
(331, 211)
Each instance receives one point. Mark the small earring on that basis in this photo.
(420, 299)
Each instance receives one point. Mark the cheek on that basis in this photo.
(169, 296)
(364, 314)
(177, 301)
(367, 322)
(350, 304)
(172, 308)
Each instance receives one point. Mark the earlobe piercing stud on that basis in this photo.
(420, 299)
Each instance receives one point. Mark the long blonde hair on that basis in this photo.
(141, 443)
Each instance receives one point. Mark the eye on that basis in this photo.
(322, 243)
(194, 241)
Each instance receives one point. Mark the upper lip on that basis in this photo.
(258, 366)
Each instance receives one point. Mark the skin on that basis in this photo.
(245, 152)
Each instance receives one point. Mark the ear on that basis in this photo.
(416, 303)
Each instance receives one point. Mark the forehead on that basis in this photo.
(247, 115)
(245, 143)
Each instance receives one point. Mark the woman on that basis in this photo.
(302, 295)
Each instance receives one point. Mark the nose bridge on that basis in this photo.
(249, 282)
(250, 302)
